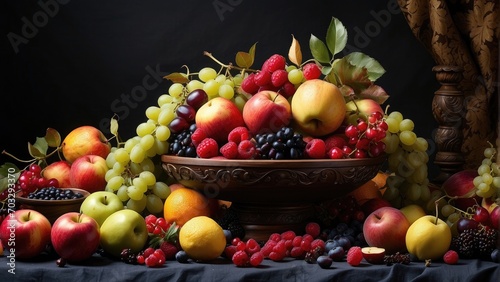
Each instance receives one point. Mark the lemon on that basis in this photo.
(202, 238)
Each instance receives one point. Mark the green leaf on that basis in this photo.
(294, 53)
(351, 75)
(38, 150)
(177, 77)
(8, 168)
(373, 67)
(319, 50)
(53, 138)
(336, 36)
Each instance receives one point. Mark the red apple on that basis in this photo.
(266, 111)
(318, 108)
(218, 117)
(88, 173)
(59, 170)
(373, 255)
(386, 228)
(374, 204)
(361, 108)
(85, 140)
(25, 233)
(461, 185)
(75, 236)
(495, 217)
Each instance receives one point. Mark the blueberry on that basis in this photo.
(495, 255)
(337, 253)
(324, 261)
(181, 256)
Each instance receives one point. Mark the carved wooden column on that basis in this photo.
(449, 111)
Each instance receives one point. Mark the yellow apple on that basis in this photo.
(413, 212)
(428, 238)
(85, 140)
(318, 108)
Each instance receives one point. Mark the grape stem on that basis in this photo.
(228, 66)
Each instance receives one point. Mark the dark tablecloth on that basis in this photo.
(100, 268)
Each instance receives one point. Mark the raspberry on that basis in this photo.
(275, 237)
(246, 149)
(240, 258)
(288, 89)
(315, 149)
(268, 247)
(279, 77)
(311, 71)
(297, 252)
(198, 136)
(252, 247)
(229, 150)
(169, 250)
(313, 229)
(208, 148)
(275, 62)
(318, 243)
(238, 134)
(248, 84)
(354, 256)
(256, 259)
(335, 141)
(450, 257)
(262, 78)
(296, 241)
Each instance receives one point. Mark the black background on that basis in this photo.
(70, 63)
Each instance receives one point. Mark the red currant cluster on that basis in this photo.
(156, 225)
(151, 257)
(31, 180)
(365, 138)
(244, 253)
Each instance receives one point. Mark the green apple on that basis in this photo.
(124, 229)
(101, 204)
(428, 238)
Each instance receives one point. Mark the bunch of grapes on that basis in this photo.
(133, 165)
(408, 160)
(487, 183)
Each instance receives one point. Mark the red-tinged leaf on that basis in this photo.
(346, 91)
(375, 93)
(336, 36)
(177, 77)
(319, 50)
(294, 53)
(53, 138)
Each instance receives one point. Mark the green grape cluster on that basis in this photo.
(407, 159)
(133, 166)
(487, 182)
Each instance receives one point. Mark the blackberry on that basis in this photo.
(229, 220)
(180, 144)
(403, 258)
(486, 241)
(313, 255)
(237, 230)
(284, 144)
(53, 193)
(127, 256)
(465, 244)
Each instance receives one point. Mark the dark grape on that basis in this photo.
(186, 112)
(178, 124)
(197, 98)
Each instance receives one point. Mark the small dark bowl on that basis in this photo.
(52, 209)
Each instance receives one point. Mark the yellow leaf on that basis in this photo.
(52, 137)
(294, 53)
(243, 59)
(113, 127)
(177, 77)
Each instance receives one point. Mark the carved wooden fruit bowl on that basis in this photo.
(271, 195)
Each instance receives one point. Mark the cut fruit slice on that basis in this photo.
(373, 255)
